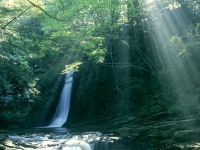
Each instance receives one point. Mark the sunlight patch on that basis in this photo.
(175, 5)
(73, 66)
(149, 1)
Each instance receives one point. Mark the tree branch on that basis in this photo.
(124, 65)
(2, 28)
(47, 12)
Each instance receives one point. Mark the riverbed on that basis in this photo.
(127, 133)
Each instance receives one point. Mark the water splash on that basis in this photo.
(63, 107)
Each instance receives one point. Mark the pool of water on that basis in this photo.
(58, 139)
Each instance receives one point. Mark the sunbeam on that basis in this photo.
(173, 33)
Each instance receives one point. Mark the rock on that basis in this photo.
(1, 89)
(125, 131)
(2, 98)
(25, 95)
(8, 98)
(187, 136)
(181, 146)
(176, 147)
(158, 115)
(2, 147)
(9, 92)
(39, 70)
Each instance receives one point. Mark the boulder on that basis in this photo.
(8, 98)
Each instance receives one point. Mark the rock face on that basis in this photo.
(164, 133)
(14, 105)
(12, 93)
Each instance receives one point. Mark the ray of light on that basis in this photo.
(172, 28)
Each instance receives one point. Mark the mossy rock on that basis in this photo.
(187, 135)
(2, 148)
(125, 131)
(184, 146)
(154, 109)
(158, 115)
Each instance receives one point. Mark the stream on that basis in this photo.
(58, 139)
(178, 134)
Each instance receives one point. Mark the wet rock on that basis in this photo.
(125, 131)
(25, 95)
(175, 147)
(8, 98)
(10, 87)
(158, 115)
(2, 98)
(39, 70)
(9, 92)
(184, 146)
(2, 147)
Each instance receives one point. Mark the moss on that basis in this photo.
(125, 131)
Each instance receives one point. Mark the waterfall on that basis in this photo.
(63, 107)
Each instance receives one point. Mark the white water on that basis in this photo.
(63, 107)
(63, 141)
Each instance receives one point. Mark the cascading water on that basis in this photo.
(63, 141)
(63, 107)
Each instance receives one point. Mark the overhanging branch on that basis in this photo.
(58, 19)
(2, 28)
(32, 5)
(44, 11)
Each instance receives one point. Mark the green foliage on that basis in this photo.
(14, 114)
